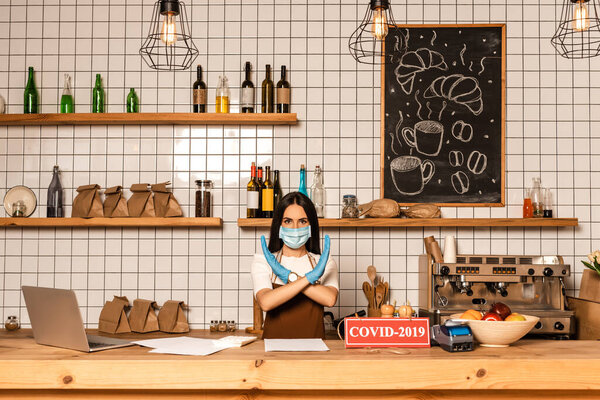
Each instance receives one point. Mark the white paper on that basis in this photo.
(236, 341)
(295, 345)
(183, 345)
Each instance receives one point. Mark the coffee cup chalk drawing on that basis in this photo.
(443, 115)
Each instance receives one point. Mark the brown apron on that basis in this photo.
(298, 318)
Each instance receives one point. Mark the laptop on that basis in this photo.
(56, 321)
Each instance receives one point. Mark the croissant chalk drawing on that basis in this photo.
(413, 62)
(458, 88)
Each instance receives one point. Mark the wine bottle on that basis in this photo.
(302, 186)
(267, 195)
(133, 102)
(31, 95)
(277, 193)
(317, 191)
(283, 93)
(199, 92)
(252, 194)
(247, 92)
(267, 100)
(261, 185)
(98, 96)
(222, 96)
(55, 196)
(67, 104)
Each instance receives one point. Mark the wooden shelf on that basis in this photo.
(429, 222)
(147, 119)
(176, 222)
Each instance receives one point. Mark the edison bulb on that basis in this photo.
(168, 33)
(581, 20)
(379, 27)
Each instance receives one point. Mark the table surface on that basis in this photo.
(529, 364)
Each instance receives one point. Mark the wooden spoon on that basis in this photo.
(372, 274)
(368, 290)
(379, 295)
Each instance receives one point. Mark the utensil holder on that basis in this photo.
(373, 312)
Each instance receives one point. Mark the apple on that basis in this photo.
(491, 316)
(515, 317)
(471, 314)
(387, 311)
(501, 309)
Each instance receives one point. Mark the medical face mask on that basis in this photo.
(294, 238)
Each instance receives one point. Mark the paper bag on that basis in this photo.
(115, 204)
(171, 318)
(142, 317)
(113, 318)
(87, 203)
(165, 204)
(141, 203)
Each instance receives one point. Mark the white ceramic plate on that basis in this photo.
(22, 193)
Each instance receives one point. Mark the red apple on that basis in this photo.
(491, 317)
(501, 309)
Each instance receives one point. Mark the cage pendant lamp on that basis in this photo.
(169, 46)
(368, 40)
(578, 32)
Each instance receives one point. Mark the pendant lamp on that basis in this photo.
(578, 32)
(169, 45)
(367, 41)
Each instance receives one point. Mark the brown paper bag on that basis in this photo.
(165, 203)
(142, 317)
(87, 203)
(115, 204)
(113, 318)
(141, 203)
(171, 318)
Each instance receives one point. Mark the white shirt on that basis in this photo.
(262, 274)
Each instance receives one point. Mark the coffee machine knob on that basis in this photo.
(445, 270)
(469, 292)
(504, 293)
(531, 271)
(559, 326)
(548, 271)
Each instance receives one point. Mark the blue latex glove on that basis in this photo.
(282, 272)
(318, 271)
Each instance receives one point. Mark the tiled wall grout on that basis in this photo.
(551, 127)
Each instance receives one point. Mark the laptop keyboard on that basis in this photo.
(95, 345)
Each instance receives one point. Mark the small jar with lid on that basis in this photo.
(19, 208)
(350, 209)
(214, 326)
(231, 326)
(222, 326)
(203, 198)
(12, 323)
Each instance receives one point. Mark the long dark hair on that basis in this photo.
(313, 245)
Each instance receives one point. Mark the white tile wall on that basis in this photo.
(552, 122)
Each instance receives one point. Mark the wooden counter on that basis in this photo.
(529, 369)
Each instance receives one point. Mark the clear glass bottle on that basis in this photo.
(548, 203)
(133, 102)
(55, 196)
(222, 95)
(350, 209)
(317, 192)
(537, 201)
(12, 323)
(527, 206)
(302, 185)
(67, 105)
(203, 198)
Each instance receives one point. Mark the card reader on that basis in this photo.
(453, 336)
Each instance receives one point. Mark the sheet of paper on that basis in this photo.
(183, 345)
(295, 345)
(236, 341)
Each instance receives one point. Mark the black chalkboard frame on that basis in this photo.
(383, 170)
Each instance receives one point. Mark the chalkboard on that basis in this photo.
(443, 115)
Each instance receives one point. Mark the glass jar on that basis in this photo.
(231, 327)
(19, 209)
(12, 323)
(203, 198)
(222, 326)
(214, 326)
(350, 209)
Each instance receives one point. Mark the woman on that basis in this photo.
(292, 280)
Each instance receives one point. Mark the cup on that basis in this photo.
(426, 137)
(408, 174)
(449, 249)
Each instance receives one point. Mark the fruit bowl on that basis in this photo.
(499, 333)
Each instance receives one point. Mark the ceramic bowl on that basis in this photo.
(499, 333)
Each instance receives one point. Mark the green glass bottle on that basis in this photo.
(67, 105)
(98, 96)
(31, 95)
(133, 102)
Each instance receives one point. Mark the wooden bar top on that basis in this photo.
(526, 365)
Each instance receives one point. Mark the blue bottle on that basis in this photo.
(302, 187)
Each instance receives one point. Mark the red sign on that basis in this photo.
(387, 332)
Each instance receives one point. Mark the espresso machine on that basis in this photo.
(531, 285)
